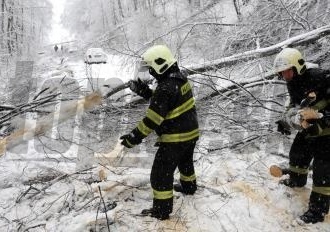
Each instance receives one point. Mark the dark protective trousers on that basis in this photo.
(168, 157)
(303, 150)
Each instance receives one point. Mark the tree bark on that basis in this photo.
(238, 12)
(135, 5)
(114, 16)
(121, 12)
(10, 29)
(2, 18)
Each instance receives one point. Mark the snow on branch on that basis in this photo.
(248, 55)
(68, 110)
(301, 39)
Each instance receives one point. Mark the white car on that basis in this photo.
(95, 56)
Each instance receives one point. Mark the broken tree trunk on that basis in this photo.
(117, 89)
(301, 39)
(68, 110)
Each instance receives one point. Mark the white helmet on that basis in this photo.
(158, 57)
(289, 58)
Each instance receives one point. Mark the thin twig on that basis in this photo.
(105, 209)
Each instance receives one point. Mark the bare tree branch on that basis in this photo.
(262, 52)
(117, 89)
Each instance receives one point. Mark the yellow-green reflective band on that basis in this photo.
(187, 178)
(185, 88)
(129, 144)
(298, 170)
(321, 104)
(182, 137)
(321, 190)
(325, 131)
(181, 109)
(153, 116)
(162, 195)
(144, 129)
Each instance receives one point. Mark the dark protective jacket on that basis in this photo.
(172, 112)
(312, 143)
(318, 81)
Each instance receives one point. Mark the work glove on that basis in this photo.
(308, 116)
(140, 88)
(283, 127)
(130, 140)
(311, 97)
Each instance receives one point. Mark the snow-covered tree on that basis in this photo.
(23, 26)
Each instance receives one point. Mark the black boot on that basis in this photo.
(295, 180)
(186, 187)
(317, 209)
(154, 213)
(312, 216)
(178, 188)
(161, 209)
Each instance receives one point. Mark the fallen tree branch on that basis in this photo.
(301, 39)
(26, 107)
(236, 85)
(34, 227)
(117, 89)
(105, 208)
(48, 184)
(242, 142)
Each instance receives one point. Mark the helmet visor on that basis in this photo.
(140, 71)
(281, 64)
(143, 66)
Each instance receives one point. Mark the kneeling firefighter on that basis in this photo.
(172, 114)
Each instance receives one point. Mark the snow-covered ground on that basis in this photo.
(40, 192)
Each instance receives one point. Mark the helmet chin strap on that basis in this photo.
(159, 77)
(153, 73)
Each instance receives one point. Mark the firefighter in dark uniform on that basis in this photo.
(172, 115)
(312, 142)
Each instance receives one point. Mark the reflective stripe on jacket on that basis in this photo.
(171, 113)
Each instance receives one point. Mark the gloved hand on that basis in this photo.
(311, 97)
(283, 127)
(140, 88)
(308, 116)
(130, 140)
